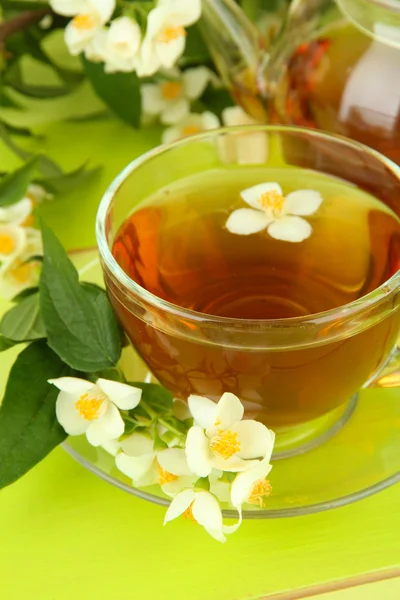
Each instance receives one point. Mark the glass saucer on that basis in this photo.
(357, 460)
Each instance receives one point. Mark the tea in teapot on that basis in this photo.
(332, 66)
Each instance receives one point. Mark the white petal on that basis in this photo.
(181, 410)
(16, 213)
(245, 221)
(229, 411)
(102, 8)
(209, 120)
(124, 396)
(182, 12)
(18, 238)
(232, 528)
(139, 469)
(243, 484)
(72, 385)
(148, 61)
(290, 229)
(235, 115)
(172, 488)
(221, 490)
(171, 134)
(255, 439)
(77, 39)
(96, 50)
(179, 504)
(124, 36)
(138, 444)
(195, 81)
(207, 512)
(198, 452)
(252, 148)
(203, 410)
(112, 447)
(252, 195)
(303, 202)
(67, 415)
(169, 52)
(68, 8)
(174, 461)
(234, 464)
(109, 426)
(175, 111)
(152, 100)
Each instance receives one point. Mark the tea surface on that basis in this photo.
(176, 246)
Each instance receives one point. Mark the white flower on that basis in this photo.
(242, 148)
(252, 486)
(89, 17)
(171, 98)
(181, 409)
(191, 124)
(20, 213)
(92, 408)
(146, 466)
(221, 440)
(280, 215)
(12, 242)
(202, 508)
(15, 273)
(117, 46)
(165, 37)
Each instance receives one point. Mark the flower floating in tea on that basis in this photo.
(280, 215)
(92, 408)
(220, 439)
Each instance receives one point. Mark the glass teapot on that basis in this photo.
(333, 65)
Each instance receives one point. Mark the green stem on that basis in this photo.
(171, 428)
(152, 413)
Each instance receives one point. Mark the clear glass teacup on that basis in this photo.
(331, 300)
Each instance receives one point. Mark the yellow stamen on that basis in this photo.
(217, 423)
(225, 443)
(188, 514)
(89, 407)
(165, 476)
(171, 90)
(22, 272)
(191, 130)
(272, 199)
(7, 244)
(171, 33)
(84, 22)
(261, 489)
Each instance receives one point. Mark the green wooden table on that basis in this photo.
(66, 534)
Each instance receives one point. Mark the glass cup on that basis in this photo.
(298, 375)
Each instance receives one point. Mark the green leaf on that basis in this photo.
(5, 344)
(25, 293)
(64, 183)
(14, 185)
(196, 51)
(155, 396)
(23, 322)
(120, 91)
(80, 323)
(46, 166)
(28, 426)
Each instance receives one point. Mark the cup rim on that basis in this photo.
(349, 309)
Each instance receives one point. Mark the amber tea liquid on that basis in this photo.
(176, 246)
